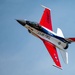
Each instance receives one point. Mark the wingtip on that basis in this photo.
(57, 67)
(45, 7)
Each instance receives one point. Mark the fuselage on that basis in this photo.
(46, 34)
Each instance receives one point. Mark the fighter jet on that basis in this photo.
(44, 31)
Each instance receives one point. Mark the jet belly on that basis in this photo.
(58, 43)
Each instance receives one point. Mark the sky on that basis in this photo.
(23, 54)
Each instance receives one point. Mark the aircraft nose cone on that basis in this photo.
(22, 22)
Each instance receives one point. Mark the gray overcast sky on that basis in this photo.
(23, 54)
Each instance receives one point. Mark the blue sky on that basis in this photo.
(23, 54)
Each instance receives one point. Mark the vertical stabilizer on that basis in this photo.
(59, 32)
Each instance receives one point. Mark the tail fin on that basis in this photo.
(59, 32)
(64, 54)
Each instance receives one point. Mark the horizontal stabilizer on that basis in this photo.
(70, 39)
(64, 54)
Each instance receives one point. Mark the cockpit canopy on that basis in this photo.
(33, 24)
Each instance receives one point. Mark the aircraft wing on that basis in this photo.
(53, 52)
(46, 19)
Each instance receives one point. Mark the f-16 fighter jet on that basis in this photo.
(51, 40)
